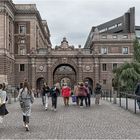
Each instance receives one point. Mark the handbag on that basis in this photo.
(22, 104)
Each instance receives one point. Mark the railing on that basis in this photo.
(114, 98)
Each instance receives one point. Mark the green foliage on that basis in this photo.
(136, 50)
(127, 75)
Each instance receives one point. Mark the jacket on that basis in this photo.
(66, 91)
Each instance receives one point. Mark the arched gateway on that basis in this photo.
(64, 73)
(65, 64)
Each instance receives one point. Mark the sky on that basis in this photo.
(74, 19)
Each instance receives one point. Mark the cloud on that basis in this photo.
(75, 18)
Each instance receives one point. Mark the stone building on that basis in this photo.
(26, 51)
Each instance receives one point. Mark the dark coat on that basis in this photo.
(3, 110)
(98, 89)
(54, 92)
(46, 90)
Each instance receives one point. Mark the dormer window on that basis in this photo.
(125, 36)
(104, 36)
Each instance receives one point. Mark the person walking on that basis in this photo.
(3, 110)
(89, 93)
(76, 93)
(54, 92)
(137, 92)
(66, 93)
(26, 98)
(97, 93)
(46, 92)
(82, 93)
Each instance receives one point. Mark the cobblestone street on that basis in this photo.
(106, 121)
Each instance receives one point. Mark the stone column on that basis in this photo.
(49, 72)
(80, 78)
(33, 79)
(97, 70)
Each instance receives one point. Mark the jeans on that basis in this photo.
(54, 102)
(25, 119)
(46, 101)
(87, 100)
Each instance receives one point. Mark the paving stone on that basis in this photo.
(105, 121)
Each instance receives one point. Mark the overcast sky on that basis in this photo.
(73, 19)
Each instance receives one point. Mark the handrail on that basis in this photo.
(106, 94)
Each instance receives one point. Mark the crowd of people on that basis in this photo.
(81, 94)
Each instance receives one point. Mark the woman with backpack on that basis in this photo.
(26, 98)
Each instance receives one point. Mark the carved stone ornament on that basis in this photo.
(64, 60)
(41, 68)
(88, 68)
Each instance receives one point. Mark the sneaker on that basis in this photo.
(27, 127)
(55, 109)
(46, 108)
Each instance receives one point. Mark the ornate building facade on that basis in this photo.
(26, 51)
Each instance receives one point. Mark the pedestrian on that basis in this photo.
(82, 93)
(26, 98)
(98, 92)
(54, 92)
(5, 89)
(137, 92)
(3, 110)
(66, 93)
(46, 93)
(76, 93)
(89, 93)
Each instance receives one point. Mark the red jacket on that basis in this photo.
(66, 91)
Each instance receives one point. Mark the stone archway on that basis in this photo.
(63, 72)
(39, 83)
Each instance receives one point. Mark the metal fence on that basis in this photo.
(126, 100)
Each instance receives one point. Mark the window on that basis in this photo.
(22, 67)
(119, 24)
(125, 36)
(114, 66)
(22, 29)
(104, 67)
(114, 36)
(125, 50)
(138, 33)
(104, 82)
(103, 50)
(22, 50)
(22, 41)
(104, 37)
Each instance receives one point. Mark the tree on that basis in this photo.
(136, 50)
(127, 75)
